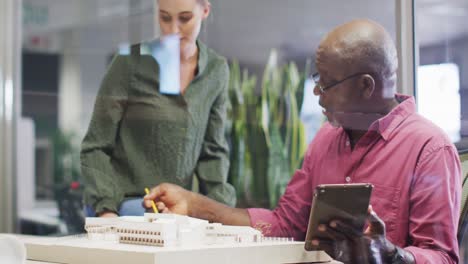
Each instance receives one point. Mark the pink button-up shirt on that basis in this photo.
(416, 175)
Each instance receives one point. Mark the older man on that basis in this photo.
(372, 135)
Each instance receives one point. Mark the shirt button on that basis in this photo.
(348, 179)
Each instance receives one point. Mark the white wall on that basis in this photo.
(25, 166)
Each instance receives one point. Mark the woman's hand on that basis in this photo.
(108, 214)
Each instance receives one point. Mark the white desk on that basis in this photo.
(80, 250)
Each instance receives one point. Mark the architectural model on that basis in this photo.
(167, 230)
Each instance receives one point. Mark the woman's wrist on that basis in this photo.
(107, 213)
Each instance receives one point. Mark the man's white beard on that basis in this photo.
(353, 121)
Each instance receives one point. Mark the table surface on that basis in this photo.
(79, 250)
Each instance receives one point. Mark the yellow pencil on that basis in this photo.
(152, 202)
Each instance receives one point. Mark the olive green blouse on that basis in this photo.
(139, 137)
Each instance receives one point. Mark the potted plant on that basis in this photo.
(267, 136)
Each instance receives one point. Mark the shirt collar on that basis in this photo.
(202, 58)
(387, 124)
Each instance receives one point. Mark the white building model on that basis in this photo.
(169, 230)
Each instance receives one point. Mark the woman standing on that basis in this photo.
(139, 137)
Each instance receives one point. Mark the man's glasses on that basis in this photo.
(316, 78)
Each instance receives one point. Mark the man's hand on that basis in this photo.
(169, 198)
(344, 243)
(375, 239)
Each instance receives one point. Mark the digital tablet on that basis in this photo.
(335, 202)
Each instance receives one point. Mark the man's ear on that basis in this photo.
(368, 84)
(206, 10)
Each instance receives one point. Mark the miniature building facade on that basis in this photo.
(166, 230)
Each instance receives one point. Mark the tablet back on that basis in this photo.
(348, 202)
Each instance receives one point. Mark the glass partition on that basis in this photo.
(68, 46)
(71, 49)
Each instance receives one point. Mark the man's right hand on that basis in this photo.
(169, 198)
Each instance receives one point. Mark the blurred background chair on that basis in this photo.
(463, 224)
